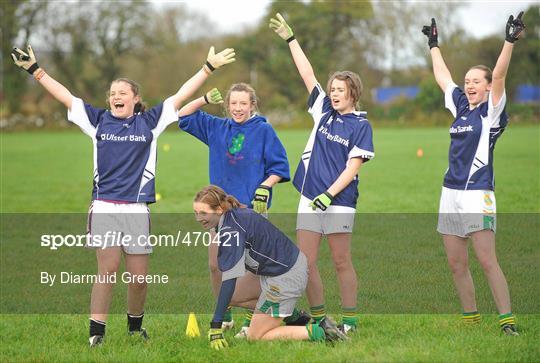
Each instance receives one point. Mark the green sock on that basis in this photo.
(228, 314)
(295, 315)
(507, 319)
(247, 318)
(315, 332)
(471, 318)
(317, 313)
(349, 316)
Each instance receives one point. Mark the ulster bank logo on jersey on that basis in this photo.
(460, 129)
(335, 138)
(112, 137)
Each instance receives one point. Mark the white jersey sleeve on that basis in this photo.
(318, 103)
(449, 98)
(77, 114)
(495, 111)
(168, 115)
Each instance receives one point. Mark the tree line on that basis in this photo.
(86, 45)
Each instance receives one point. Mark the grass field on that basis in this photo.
(410, 309)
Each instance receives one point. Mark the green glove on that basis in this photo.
(260, 201)
(214, 61)
(217, 339)
(281, 27)
(322, 201)
(213, 96)
(25, 61)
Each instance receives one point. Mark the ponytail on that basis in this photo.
(230, 202)
(139, 107)
(216, 198)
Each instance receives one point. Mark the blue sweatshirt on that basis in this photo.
(241, 156)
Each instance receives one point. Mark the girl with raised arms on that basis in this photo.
(467, 205)
(124, 139)
(327, 176)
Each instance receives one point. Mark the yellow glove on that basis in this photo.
(213, 96)
(322, 201)
(261, 198)
(214, 61)
(281, 27)
(217, 339)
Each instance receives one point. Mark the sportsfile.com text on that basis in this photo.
(119, 239)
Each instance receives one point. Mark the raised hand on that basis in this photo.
(213, 97)
(214, 61)
(514, 28)
(26, 61)
(281, 28)
(431, 33)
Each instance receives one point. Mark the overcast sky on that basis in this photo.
(486, 17)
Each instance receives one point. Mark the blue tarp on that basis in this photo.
(526, 93)
(389, 94)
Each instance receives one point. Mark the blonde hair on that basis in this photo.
(353, 81)
(241, 87)
(139, 106)
(216, 197)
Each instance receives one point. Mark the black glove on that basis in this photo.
(514, 28)
(431, 33)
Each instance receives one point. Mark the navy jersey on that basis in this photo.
(334, 140)
(473, 135)
(124, 149)
(241, 156)
(248, 241)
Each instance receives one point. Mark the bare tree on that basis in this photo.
(88, 41)
(19, 19)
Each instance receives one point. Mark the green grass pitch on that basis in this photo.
(410, 311)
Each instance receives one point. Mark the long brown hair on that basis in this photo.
(139, 106)
(215, 197)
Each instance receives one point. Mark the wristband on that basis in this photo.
(39, 74)
(292, 37)
(206, 99)
(32, 68)
(210, 67)
(329, 195)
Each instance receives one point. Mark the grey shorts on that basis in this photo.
(280, 293)
(119, 225)
(335, 219)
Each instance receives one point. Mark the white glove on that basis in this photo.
(24, 60)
